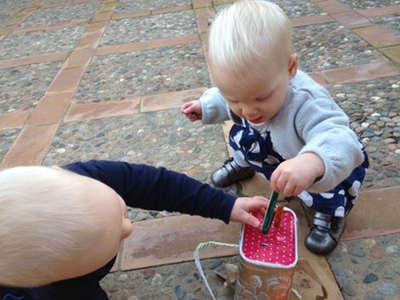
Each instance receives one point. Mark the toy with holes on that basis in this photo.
(268, 255)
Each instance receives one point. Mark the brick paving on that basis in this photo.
(86, 79)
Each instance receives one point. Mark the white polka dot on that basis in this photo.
(272, 160)
(339, 212)
(327, 195)
(355, 188)
(306, 197)
(255, 148)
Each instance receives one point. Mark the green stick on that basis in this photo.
(270, 212)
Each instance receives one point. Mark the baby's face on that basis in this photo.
(259, 100)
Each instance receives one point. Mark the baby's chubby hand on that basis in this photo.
(297, 174)
(192, 110)
(244, 206)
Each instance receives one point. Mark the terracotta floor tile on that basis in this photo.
(376, 213)
(204, 12)
(201, 3)
(165, 10)
(223, 2)
(107, 7)
(92, 36)
(131, 47)
(226, 127)
(351, 19)
(131, 15)
(377, 36)
(169, 100)
(31, 28)
(102, 16)
(304, 21)
(66, 80)
(392, 52)
(332, 7)
(22, 15)
(380, 11)
(79, 58)
(56, 25)
(81, 112)
(115, 267)
(28, 60)
(6, 30)
(202, 25)
(13, 120)
(318, 77)
(204, 41)
(362, 72)
(50, 109)
(203, 15)
(98, 27)
(173, 41)
(257, 186)
(89, 40)
(30, 147)
(173, 239)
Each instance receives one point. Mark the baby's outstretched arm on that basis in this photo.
(192, 110)
(244, 206)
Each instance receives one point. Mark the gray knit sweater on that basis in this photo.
(309, 121)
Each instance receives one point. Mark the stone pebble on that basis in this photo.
(378, 262)
(181, 281)
(372, 108)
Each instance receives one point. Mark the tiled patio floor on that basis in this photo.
(104, 79)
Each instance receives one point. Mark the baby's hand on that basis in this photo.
(297, 174)
(192, 110)
(244, 206)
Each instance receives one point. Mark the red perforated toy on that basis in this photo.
(267, 261)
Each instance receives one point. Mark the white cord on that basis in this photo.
(198, 263)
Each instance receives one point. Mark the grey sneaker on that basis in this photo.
(230, 173)
(324, 235)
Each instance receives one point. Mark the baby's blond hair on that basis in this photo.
(45, 223)
(249, 35)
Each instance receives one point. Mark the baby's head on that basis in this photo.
(56, 225)
(252, 59)
(250, 36)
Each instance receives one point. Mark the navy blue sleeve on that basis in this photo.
(147, 187)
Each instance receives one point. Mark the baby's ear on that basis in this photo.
(293, 65)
